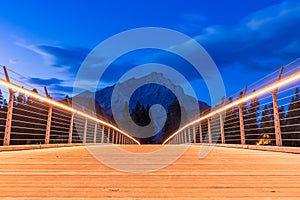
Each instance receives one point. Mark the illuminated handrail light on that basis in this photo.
(62, 106)
(285, 81)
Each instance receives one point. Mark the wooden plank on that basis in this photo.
(226, 173)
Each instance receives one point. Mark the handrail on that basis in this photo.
(62, 106)
(285, 81)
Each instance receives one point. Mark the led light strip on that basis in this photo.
(270, 88)
(62, 106)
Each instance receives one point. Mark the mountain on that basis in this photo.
(151, 93)
(158, 90)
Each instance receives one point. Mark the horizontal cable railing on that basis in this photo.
(268, 115)
(28, 117)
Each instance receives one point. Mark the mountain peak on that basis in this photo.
(154, 88)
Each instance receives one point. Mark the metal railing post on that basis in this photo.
(71, 124)
(189, 135)
(209, 131)
(71, 129)
(241, 119)
(9, 114)
(222, 129)
(194, 134)
(121, 139)
(48, 127)
(276, 113)
(102, 134)
(242, 127)
(95, 132)
(6, 140)
(276, 121)
(175, 139)
(200, 133)
(108, 135)
(84, 131)
(117, 137)
(113, 136)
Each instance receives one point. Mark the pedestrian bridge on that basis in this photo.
(226, 173)
(251, 145)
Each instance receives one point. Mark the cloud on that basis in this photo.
(13, 61)
(66, 58)
(255, 42)
(57, 88)
(260, 42)
(265, 39)
(46, 82)
(63, 88)
(191, 22)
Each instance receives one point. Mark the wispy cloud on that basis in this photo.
(13, 61)
(65, 58)
(265, 39)
(259, 40)
(191, 22)
(46, 82)
(57, 88)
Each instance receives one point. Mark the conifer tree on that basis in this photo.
(251, 121)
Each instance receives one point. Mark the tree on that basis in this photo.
(151, 128)
(3, 113)
(30, 99)
(15, 100)
(292, 129)
(135, 114)
(232, 125)
(173, 119)
(267, 122)
(141, 117)
(1, 99)
(21, 99)
(251, 121)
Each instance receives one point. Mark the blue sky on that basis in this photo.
(47, 40)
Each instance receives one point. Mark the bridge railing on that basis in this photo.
(28, 117)
(267, 115)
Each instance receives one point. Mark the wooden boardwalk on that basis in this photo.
(226, 173)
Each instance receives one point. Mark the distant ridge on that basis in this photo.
(147, 94)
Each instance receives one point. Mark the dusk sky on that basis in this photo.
(48, 40)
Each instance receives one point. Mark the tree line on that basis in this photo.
(141, 116)
(259, 122)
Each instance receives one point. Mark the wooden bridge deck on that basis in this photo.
(72, 173)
